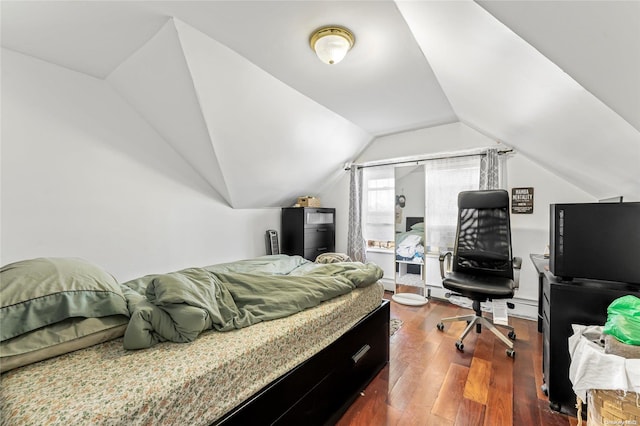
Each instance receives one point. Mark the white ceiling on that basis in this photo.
(537, 75)
(503, 86)
(385, 84)
(596, 42)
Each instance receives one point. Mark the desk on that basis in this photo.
(541, 264)
(580, 301)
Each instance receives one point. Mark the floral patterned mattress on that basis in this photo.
(174, 383)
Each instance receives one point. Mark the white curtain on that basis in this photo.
(378, 200)
(355, 241)
(444, 179)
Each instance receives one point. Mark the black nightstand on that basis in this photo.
(308, 231)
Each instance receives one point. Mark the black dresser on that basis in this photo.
(563, 303)
(308, 231)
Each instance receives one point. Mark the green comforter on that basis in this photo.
(180, 305)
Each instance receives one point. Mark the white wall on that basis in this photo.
(83, 175)
(529, 231)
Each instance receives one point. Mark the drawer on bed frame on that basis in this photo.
(321, 389)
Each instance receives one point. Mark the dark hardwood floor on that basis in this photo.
(429, 382)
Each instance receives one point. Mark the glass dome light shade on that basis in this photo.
(331, 44)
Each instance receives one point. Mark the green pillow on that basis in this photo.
(418, 226)
(39, 292)
(332, 258)
(60, 338)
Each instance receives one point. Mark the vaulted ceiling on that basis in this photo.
(230, 84)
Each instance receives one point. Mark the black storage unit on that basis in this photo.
(565, 303)
(321, 389)
(308, 231)
(541, 264)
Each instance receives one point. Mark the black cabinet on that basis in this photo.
(321, 389)
(308, 231)
(564, 303)
(541, 264)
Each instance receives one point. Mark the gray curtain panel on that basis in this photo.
(490, 170)
(355, 244)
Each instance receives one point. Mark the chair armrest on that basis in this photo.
(517, 265)
(445, 263)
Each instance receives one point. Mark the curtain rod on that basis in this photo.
(418, 160)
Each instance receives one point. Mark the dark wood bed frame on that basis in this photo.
(321, 389)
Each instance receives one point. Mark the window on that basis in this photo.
(379, 202)
(444, 180)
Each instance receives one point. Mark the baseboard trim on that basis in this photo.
(523, 308)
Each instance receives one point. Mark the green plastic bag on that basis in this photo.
(623, 320)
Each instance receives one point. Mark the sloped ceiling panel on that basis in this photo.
(272, 143)
(232, 121)
(156, 81)
(89, 37)
(600, 49)
(384, 85)
(502, 86)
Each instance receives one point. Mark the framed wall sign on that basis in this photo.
(522, 200)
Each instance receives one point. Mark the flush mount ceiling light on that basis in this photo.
(331, 44)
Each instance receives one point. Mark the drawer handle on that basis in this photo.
(321, 249)
(362, 352)
(321, 230)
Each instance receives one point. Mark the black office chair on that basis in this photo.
(481, 266)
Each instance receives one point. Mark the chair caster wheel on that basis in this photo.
(440, 326)
(511, 353)
(512, 335)
(460, 346)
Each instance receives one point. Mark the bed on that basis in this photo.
(303, 368)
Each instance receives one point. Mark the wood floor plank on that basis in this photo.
(500, 399)
(450, 396)
(470, 413)
(417, 387)
(484, 346)
(402, 391)
(433, 316)
(476, 387)
(524, 412)
(416, 349)
(525, 383)
(537, 365)
(434, 373)
(434, 419)
(455, 329)
(548, 417)
(418, 411)
(522, 329)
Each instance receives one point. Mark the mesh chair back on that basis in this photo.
(483, 236)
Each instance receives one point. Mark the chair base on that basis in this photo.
(478, 321)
